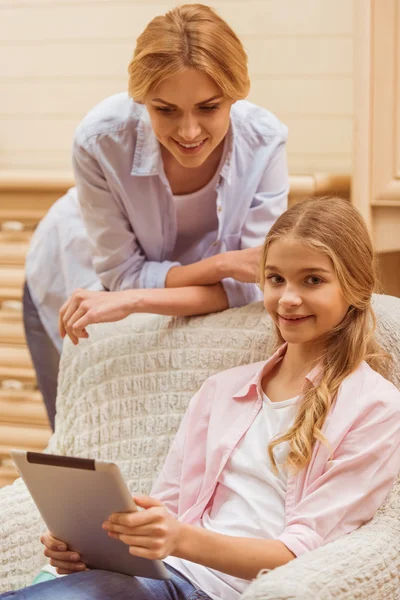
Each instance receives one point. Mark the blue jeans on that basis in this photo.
(104, 585)
(45, 356)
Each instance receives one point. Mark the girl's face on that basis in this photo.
(301, 292)
(189, 115)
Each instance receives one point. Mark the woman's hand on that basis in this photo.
(242, 265)
(61, 558)
(85, 307)
(152, 533)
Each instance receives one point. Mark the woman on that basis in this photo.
(176, 184)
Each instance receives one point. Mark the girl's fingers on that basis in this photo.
(141, 541)
(133, 519)
(147, 501)
(145, 553)
(64, 560)
(52, 543)
(67, 566)
(64, 572)
(63, 556)
(145, 530)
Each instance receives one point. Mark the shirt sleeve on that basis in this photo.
(118, 258)
(166, 488)
(269, 202)
(356, 481)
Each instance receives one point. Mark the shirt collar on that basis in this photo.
(314, 376)
(147, 159)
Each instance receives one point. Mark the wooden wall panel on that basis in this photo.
(305, 56)
(59, 58)
(117, 19)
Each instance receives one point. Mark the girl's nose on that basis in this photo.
(290, 298)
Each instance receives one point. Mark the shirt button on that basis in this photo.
(219, 209)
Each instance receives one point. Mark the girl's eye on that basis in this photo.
(313, 280)
(275, 279)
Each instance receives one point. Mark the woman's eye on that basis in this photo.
(313, 280)
(209, 108)
(275, 279)
(166, 111)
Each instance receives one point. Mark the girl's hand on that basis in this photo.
(152, 533)
(86, 307)
(61, 558)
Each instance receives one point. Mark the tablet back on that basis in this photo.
(74, 497)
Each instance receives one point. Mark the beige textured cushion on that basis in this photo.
(122, 394)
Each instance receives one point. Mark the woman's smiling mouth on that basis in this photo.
(192, 148)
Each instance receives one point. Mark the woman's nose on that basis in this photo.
(189, 129)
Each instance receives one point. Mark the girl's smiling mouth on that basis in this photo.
(294, 319)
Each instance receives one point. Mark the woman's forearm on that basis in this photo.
(237, 556)
(204, 272)
(242, 265)
(180, 302)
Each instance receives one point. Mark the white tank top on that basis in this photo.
(250, 498)
(196, 215)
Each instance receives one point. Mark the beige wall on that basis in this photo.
(59, 57)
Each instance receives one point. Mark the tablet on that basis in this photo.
(75, 496)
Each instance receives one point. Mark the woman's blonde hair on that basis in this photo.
(189, 36)
(332, 226)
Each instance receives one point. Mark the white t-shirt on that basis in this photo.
(250, 498)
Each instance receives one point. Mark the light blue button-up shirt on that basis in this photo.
(118, 227)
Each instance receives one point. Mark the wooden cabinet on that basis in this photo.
(376, 166)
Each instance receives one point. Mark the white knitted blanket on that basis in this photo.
(122, 394)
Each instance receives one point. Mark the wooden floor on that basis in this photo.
(23, 419)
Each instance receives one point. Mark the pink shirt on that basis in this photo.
(333, 495)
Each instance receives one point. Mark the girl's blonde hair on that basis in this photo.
(332, 226)
(189, 36)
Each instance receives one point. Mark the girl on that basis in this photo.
(176, 184)
(310, 442)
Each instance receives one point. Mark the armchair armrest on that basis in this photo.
(21, 553)
(364, 564)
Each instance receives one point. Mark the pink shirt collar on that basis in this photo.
(314, 376)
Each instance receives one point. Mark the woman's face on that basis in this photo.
(189, 115)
